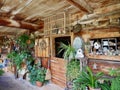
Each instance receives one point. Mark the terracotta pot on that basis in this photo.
(28, 41)
(94, 88)
(39, 84)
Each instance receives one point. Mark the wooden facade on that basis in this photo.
(57, 18)
(103, 65)
(102, 62)
(58, 71)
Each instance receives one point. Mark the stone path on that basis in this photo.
(7, 82)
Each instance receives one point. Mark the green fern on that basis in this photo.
(88, 79)
(115, 84)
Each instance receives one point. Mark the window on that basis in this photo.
(108, 46)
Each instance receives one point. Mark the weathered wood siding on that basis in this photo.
(103, 65)
(100, 33)
(58, 70)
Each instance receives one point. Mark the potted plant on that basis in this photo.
(72, 66)
(40, 77)
(21, 53)
(37, 75)
(87, 79)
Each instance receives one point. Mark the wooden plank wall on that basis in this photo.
(58, 70)
(103, 65)
(100, 33)
(103, 62)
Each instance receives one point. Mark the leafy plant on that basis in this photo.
(73, 69)
(114, 72)
(41, 74)
(69, 51)
(37, 74)
(22, 40)
(115, 81)
(22, 52)
(105, 85)
(1, 72)
(88, 79)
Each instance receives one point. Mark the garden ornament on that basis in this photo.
(78, 45)
(83, 60)
(96, 47)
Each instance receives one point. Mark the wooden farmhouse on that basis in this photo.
(63, 37)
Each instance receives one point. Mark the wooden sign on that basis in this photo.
(42, 48)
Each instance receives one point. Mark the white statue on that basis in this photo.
(80, 56)
(78, 45)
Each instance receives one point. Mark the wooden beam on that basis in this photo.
(100, 16)
(85, 5)
(107, 9)
(102, 28)
(100, 33)
(78, 6)
(21, 8)
(103, 12)
(19, 24)
(7, 33)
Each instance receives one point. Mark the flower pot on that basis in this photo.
(28, 42)
(39, 84)
(94, 88)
